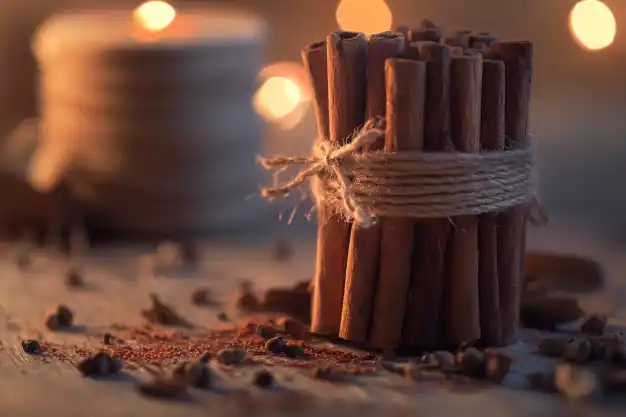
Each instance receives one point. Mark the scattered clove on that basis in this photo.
(60, 318)
(593, 325)
(31, 346)
(73, 279)
(576, 383)
(266, 332)
(109, 339)
(246, 299)
(195, 374)
(275, 345)
(442, 360)
(100, 364)
(467, 344)
(263, 379)
(577, 350)
(248, 302)
(230, 356)
(294, 351)
(161, 313)
(553, 346)
(325, 373)
(497, 365)
(471, 362)
(65, 316)
(282, 251)
(165, 388)
(608, 347)
(201, 296)
(51, 321)
(294, 328)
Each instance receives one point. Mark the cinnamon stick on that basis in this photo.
(517, 57)
(460, 38)
(364, 249)
(423, 33)
(479, 47)
(314, 59)
(331, 235)
(421, 323)
(456, 51)
(346, 67)
(429, 24)
(461, 305)
(406, 95)
(483, 38)
(461, 41)
(492, 139)
(402, 29)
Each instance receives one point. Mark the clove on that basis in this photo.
(161, 313)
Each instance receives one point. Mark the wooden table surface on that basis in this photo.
(116, 291)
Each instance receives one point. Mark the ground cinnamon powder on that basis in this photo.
(145, 346)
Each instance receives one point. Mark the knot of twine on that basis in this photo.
(366, 185)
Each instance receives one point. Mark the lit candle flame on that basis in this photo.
(155, 15)
(592, 24)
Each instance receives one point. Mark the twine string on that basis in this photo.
(365, 186)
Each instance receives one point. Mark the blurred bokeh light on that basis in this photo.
(592, 24)
(155, 15)
(367, 16)
(284, 95)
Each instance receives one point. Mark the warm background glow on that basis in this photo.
(592, 24)
(367, 16)
(279, 96)
(284, 94)
(155, 15)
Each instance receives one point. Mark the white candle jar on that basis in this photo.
(154, 131)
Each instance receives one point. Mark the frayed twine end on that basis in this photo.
(326, 163)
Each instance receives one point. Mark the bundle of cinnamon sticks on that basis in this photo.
(421, 283)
